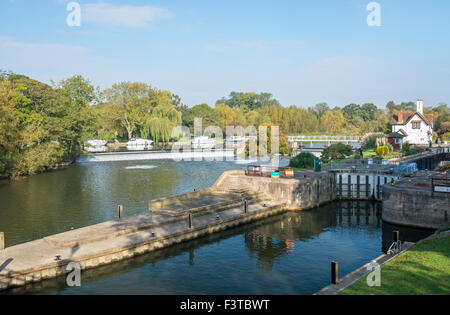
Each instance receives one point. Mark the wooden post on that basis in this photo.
(246, 206)
(378, 188)
(358, 187)
(367, 186)
(2, 240)
(191, 223)
(349, 185)
(120, 208)
(340, 186)
(334, 272)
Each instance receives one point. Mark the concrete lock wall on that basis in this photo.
(415, 208)
(299, 192)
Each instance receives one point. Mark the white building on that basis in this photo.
(417, 127)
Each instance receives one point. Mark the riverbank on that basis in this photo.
(423, 269)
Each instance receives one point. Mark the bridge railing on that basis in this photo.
(324, 138)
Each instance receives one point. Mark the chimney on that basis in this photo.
(420, 106)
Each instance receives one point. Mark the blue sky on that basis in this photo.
(303, 52)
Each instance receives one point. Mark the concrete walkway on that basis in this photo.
(114, 240)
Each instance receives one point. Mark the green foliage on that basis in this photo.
(336, 151)
(390, 147)
(406, 147)
(303, 160)
(382, 150)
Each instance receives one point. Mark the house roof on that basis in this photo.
(395, 135)
(402, 118)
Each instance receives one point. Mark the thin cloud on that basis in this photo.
(128, 16)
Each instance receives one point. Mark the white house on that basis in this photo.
(417, 127)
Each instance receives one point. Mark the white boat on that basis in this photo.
(94, 146)
(137, 144)
(203, 143)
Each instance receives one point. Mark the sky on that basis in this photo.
(303, 52)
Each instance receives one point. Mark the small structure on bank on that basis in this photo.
(396, 140)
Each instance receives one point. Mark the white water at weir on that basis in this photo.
(140, 167)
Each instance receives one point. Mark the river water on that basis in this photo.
(286, 254)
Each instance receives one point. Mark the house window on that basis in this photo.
(398, 141)
(416, 125)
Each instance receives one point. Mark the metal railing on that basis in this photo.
(324, 138)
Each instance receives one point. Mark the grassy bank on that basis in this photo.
(424, 269)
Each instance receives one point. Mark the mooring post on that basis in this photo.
(334, 272)
(358, 187)
(120, 208)
(191, 223)
(2, 240)
(246, 206)
(367, 186)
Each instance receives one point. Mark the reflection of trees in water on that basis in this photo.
(271, 241)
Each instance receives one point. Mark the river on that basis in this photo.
(286, 254)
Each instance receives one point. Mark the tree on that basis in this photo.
(303, 160)
(209, 116)
(80, 120)
(163, 117)
(129, 103)
(336, 151)
(320, 109)
(226, 115)
(332, 122)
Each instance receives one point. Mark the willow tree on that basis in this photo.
(163, 116)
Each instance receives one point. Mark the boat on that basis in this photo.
(94, 146)
(203, 143)
(137, 144)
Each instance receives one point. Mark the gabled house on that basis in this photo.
(416, 127)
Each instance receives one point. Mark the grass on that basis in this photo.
(422, 270)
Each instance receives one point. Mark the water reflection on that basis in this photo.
(269, 242)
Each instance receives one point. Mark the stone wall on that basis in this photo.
(306, 190)
(413, 207)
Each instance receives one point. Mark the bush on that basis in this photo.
(390, 147)
(336, 151)
(382, 150)
(445, 136)
(303, 160)
(406, 147)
